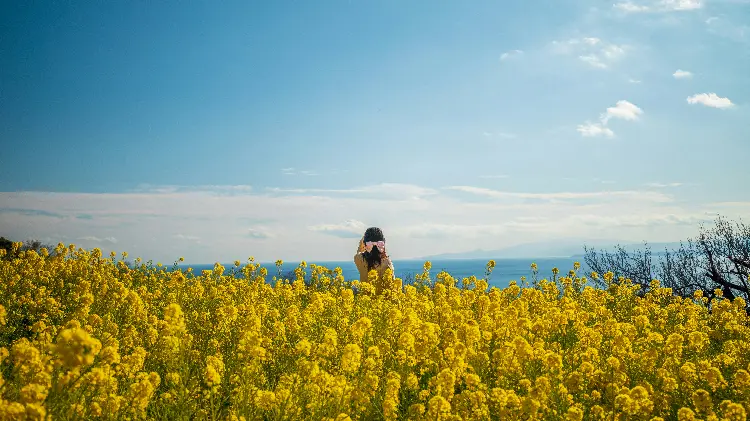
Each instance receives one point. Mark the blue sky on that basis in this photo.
(218, 131)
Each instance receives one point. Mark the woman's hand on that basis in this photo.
(361, 247)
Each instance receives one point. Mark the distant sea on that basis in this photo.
(505, 270)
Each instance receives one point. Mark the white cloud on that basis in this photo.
(206, 188)
(678, 5)
(632, 221)
(495, 176)
(612, 51)
(591, 41)
(593, 60)
(630, 7)
(186, 237)
(623, 110)
(682, 74)
(662, 185)
(509, 54)
(351, 228)
(559, 196)
(459, 230)
(205, 227)
(384, 190)
(258, 233)
(659, 6)
(710, 100)
(591, 50)
(631, 80)
(500, 135)
(293, 171)
(726, 28)
(92, 239)
(594, 129)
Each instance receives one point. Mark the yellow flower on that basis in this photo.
(698, 341)
(92, 338)
(35, 411)
(613, 362)
(75, 347)
(412, 382)
(266, 400)
(33, 393)
(686, 414)
(741, 379)
(574, 414)
(732, 411)
(351, 358)
(214, 371)
(438, 408)
(361, 327)
(304, 347)
(702, 400)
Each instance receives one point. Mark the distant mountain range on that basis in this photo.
(567, 249)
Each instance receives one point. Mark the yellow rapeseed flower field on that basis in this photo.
(84, 336)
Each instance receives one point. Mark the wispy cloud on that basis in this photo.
(726, 28)
(293, 171)
(591, 50)
(593, 60)
(599, 180)
(499, 135)
(682, 74)
(325, 226)
(623, 110)
(351, 228)
(384, 190)
(589, 129)
(495, 176)
(678, 5)
(633, 221)
(630, 7)
(258, 233)
(559, 196)
(187, 237)
(92, 239)
(438, 231)
(207, 188)
(658, 6)
(663, 185)
(32, 212)
(710, 100)
(510, 54)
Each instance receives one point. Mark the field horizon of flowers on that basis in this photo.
(84, 336)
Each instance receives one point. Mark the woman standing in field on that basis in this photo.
(371, 254)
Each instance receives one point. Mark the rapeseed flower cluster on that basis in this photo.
(83, 336)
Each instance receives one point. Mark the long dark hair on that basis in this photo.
(373, 257)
